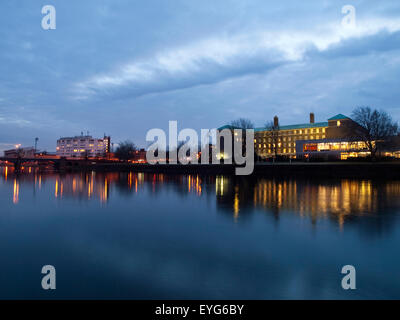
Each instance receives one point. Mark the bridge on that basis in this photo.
(58, 163)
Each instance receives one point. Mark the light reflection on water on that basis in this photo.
(210, 236)
(315, 199)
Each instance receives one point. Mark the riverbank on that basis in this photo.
(389, 170)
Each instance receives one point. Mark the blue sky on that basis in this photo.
(123, 67)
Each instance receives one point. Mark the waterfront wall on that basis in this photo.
(331, 170)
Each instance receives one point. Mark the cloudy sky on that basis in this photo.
(122, 67)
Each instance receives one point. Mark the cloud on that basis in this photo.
(218, 58)
(14, 120)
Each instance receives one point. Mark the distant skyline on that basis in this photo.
(122, 67)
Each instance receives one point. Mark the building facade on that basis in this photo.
(28, 152)
(281, 140)
(331, 149)
(331, 139)
(83, 146)
(336, 139)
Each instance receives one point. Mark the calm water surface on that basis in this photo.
(135, 235)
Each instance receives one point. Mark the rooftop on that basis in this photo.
(294, 126)
(297, 126)
(339, 117)
(77, 137)
(227, 126)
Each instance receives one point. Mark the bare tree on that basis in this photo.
(242, 123)
(125, 150)
(273, 134)
(376, 127)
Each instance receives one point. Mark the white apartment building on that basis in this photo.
(82, 146)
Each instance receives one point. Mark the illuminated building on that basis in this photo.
(139, 156)
(82, 146)
(326, 140)
(227, 135)
(331, 149)
(286, 137)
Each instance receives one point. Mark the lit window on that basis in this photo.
(338, 123)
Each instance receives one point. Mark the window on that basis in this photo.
(310, 147)
(338, 123)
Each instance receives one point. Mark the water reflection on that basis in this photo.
(16, 191)
(339, 199)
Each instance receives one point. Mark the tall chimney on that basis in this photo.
(312, 117)
(276, 121)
